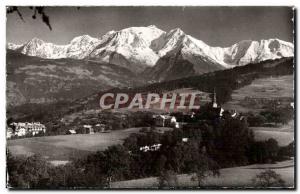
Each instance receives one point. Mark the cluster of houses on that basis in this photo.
(90, 129)
(25, 128)
(162, 120)
(167, 120)
(151, 148)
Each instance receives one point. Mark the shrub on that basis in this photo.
(268, 178)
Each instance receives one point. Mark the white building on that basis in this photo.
(23, 128)
(21, 132)
(152, 148)
(89, 129)
(9, 133)
(72, 131)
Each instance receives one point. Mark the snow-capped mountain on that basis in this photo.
(241, 53)
(79, 48)
(13, 46)
(39, 48)
(248, 51)
(129, 47)
(181, 55)
(140, 48)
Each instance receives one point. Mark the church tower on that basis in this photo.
(215, 105)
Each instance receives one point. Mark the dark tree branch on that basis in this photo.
(36, 10)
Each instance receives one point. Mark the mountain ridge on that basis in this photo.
(138, 48)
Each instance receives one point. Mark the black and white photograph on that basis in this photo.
(150, 97)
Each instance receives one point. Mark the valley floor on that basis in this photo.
(229, 177)
(63, 147)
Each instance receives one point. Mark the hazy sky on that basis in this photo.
(217, 26)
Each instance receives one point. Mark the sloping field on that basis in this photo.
(284, 134)
(64, 147)
(229, 177)
(281, 87)
(265, 88)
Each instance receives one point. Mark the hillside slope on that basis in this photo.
(37, 80)
(223, 81)
(263, 93)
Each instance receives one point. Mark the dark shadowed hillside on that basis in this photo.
(42, 81)
(174, 66)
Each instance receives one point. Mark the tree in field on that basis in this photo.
(287, 151)
(263, 151)
(232, 143)
(117, 165)
(273, 148)
(256, 120)
(30, 172)
(204, 168)
(167, 179)
(268, 178)
(279, 115)
(161, 163)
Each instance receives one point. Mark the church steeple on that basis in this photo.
(215, 105)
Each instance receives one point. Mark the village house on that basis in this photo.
(20, 132)
(233, 113)
(159, 120)
(165, 121)
(71, 132)
(100, 128)
(92, 129)
(9, 132)
(292, 104)
(88, 129)
(144, 148)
